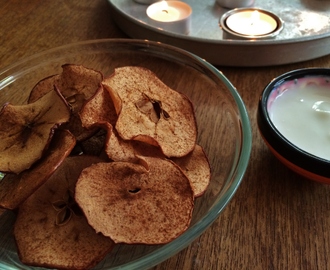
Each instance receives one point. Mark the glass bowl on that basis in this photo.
(224, 129)
(302, 161)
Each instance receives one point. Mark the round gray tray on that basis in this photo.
(305, 36)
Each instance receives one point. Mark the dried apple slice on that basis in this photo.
(132, 204)
(197, 168)
(52, 231)
(76, 81)
(14, 189)
(118, 149)
(77, 84)
(43, 87)
(150, 111)
(98, 109)
(26, 130)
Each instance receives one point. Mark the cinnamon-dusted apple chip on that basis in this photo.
(197, 168)
(51, 230)
(98, 109)
(150, 111)
(26, 130)
(16, 188)
(43, 87)
(77, 80)
(118, 149)
(77, 84)
(134, 204)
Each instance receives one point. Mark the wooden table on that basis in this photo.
(276, 220)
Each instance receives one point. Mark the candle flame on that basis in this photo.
(163, 5)
(255, 17)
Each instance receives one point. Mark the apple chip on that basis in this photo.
(133, 204)
(51, 229)
(16, 188)
(43, 87)
(197, 168)
(77, 84)
(150, 111)
(76, 81)
(118, 149)
(98, 109)
(26, 130)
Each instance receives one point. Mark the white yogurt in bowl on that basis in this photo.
(300, 110)
(293, 119)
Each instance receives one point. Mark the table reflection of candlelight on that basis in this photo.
(170, 15)
(251, 23)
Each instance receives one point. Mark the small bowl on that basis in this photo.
(225, 136)
(303, 162)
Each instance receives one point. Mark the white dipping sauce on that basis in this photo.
(300, 110)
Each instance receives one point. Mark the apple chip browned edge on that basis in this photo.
(14, 189)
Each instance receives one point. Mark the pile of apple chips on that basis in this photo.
(91, 162)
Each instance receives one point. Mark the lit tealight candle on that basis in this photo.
(170, 15)
(251, 23)
(163, 12)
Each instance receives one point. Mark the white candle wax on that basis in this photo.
(165, 14)
(173, 16)
(251, 23)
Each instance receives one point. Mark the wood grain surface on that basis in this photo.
(276, 220)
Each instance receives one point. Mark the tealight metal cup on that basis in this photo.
(230, 34)
(235, 3)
